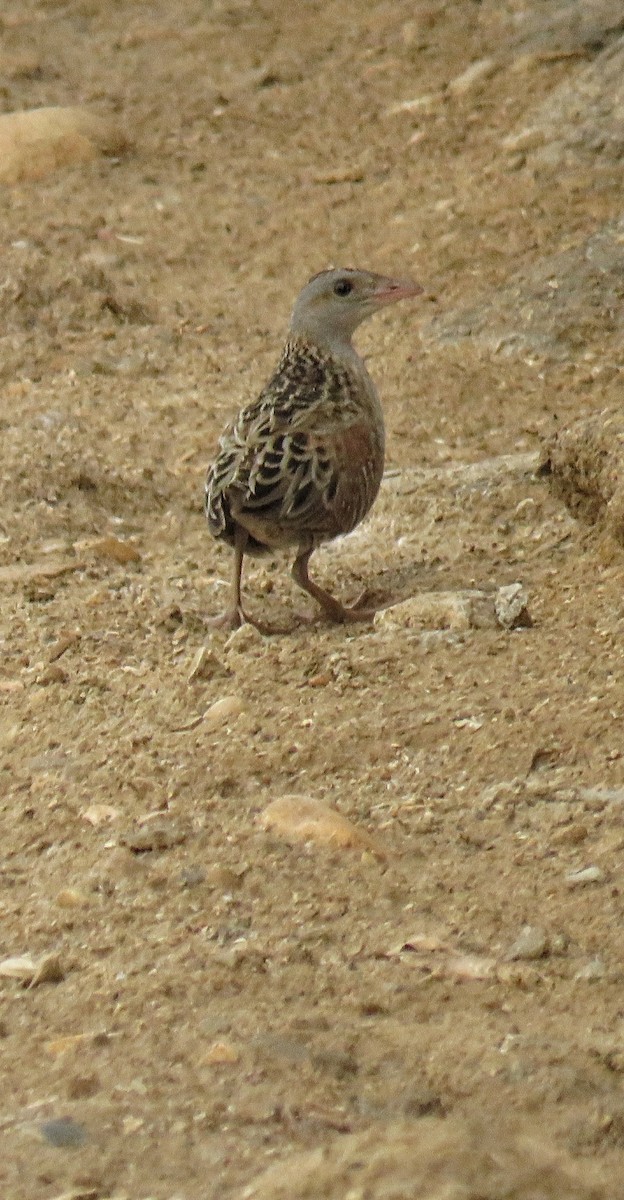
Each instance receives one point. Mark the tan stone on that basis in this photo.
(36, 142)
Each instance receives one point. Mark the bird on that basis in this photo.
(302, 464)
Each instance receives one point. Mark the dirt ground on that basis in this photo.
(208, 999)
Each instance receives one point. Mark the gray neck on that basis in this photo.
(335, 341)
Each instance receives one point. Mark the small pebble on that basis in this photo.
(192, 877)
(52, 674)
(223, 711)
(570, 835)
(594, 969)
(585, 875)
(64, 1133)
(532, 943)
(163, 836)
(559, 943)
(18, 966)
(225, 878)
(96, 814)
(71, 898)
(221, 1052)
(426, 102)
(480, 70)
(526, 139)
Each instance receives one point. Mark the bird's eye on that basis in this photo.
(342, 287)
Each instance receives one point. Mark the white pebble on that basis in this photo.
(585, 875)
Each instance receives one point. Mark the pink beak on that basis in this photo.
(389, 290)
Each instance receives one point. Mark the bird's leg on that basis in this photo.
(331, 607)
(234, 617)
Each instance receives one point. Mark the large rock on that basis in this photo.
(555, 309)
(569, 301)
(37, 142)
(585, 464)
(582, 120)
(433, 1159)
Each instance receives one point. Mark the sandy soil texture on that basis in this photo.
(195, 1003)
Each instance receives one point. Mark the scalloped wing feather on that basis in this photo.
(304, 457)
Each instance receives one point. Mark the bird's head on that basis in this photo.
(333, 303)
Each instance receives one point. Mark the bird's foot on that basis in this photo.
(353, 614)
(231, 619)
(343, 614)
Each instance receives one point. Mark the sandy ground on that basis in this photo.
(209, 999)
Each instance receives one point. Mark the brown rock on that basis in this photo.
(39, 141)
(300, 819)
(120, 551)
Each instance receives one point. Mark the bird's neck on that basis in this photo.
(333, 344)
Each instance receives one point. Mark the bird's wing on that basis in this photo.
(302, 457)
(282, 477)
